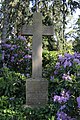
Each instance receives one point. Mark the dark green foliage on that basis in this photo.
(12, 95)
(76, 43)
(49, 61)
(12, 84)
(12, 91)
(11, 109)
(65, 82)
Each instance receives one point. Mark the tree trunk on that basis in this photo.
(5, 20)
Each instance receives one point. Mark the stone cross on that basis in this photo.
(36, 87)
(37, 30)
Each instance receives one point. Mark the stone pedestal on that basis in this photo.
(36, 92)
(36, 87)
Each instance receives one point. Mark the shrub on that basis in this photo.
(12, 84)
(10, 109)
(17, 57)
(12, 95)
(49, 61)
(65, 86)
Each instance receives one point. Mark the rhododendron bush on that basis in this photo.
(16, 54)
(64, 81)
(65, 87)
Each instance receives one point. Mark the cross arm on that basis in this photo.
(47, 30)
(27, 30)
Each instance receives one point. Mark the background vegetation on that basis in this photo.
(61, 60)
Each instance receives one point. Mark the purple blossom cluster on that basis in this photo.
(68, 60)
(12, 58)
(51, 78)
(6, 45)
(66, 77)
(62, 107)
(63, 116)
(64, 97)
(9, 46)
(3, 54)
(21, 37)
(13, 47)
(27, 56)
(17, 57)
(78, 101)
(12, 98)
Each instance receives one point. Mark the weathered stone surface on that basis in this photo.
(37, 30)
(37, 46)
(47, 30)
(36, 87)
(36, 92)
(27, 30)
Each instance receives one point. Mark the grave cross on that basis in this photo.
(37, 31)
(36, 87)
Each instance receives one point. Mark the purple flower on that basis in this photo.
(63, 116)
(3, 53)
(76, 60)
(27, 56)
(67, 55)
(7, 45)
(55, 72)
(57, 65)
(8, 55)
(27, 49)
(68, 60)
(63, 98)
(63, 93)
(56, 98)
(12, 98)
(62, 107)
(61, 58)
(15, 46)
(75, 54)
(12, 48)
(66, 77)
(67, 95)
(15, 55)
(21, 37)
(51, 78)
(12, 59)
(78, 101)
(28, 75)
(67, 63)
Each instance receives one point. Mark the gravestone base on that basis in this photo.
(36, 92)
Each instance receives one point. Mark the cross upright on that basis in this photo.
(37, 30)
(36, 87)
